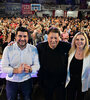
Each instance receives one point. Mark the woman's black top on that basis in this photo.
(76, 71)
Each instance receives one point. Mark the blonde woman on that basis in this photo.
(78, 67)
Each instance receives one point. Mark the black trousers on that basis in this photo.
(53, 90)
(87, 96)
(73, 91)
(12, 89)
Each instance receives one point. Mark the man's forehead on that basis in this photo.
(53, 34)
(22, 33)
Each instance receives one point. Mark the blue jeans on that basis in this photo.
(12, 89)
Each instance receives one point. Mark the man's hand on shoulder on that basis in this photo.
(11, 43)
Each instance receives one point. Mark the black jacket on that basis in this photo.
(53, 62)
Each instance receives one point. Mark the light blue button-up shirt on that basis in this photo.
(13, 56)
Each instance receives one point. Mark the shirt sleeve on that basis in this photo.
(36, 65)
(5, 64)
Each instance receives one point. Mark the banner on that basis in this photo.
(26, 9)
(59, 13)
(72, 14)
(35, 6)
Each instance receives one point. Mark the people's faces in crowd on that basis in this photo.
(22, 39)
(53, 40)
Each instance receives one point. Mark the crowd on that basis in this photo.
(62, 60)
(38, 28)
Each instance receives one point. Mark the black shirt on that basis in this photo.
(53, 62)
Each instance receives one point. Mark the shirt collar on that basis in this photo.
(16, 46)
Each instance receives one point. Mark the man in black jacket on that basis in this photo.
(53, 56)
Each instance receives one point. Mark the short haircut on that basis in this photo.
(22, 29)
(54, 30)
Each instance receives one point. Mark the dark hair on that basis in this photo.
(53, 29)
(22, 29)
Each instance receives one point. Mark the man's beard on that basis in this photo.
(22, 45)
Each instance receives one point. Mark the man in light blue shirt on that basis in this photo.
(19, 61)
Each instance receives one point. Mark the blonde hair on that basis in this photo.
(86, 47)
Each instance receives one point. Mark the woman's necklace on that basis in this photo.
(79, 54)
